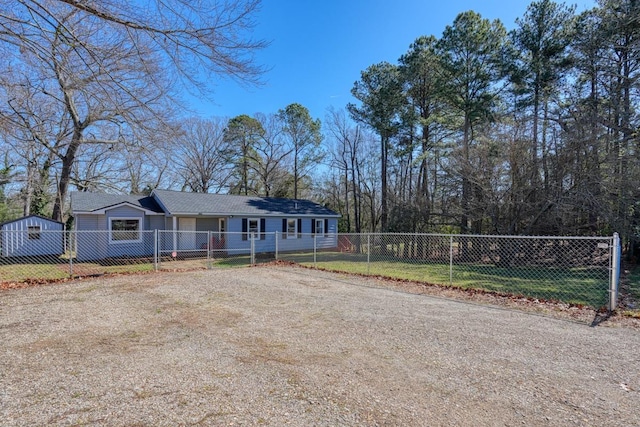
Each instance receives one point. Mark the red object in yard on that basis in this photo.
(215, 243)
(344, 244)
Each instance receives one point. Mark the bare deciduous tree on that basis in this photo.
(202, 155)
(107, 69)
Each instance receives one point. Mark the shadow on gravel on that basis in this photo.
(600, 318)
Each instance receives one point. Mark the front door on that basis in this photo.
(187, 234)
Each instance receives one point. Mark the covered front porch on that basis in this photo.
(190, 233)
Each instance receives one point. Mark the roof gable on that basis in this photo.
(96, 203)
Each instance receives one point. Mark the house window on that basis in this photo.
(319, 226)
(222, 226)
(124, 230)
(33, 232)
(254, 227)
(292, 228)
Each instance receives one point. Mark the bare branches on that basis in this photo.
(106, 73)
(194, 36)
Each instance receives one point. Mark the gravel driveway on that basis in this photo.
(283, 346)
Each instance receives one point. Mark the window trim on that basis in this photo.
(222, 227)
(293, 235)
(122, 218)
(255, 235)
(315, 227)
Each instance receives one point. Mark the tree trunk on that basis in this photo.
(65, 175)
(384, 217)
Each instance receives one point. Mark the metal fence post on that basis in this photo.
(451, 260)
(155, 250)
(253, 249)
(368, 252)
(209, 250)
(276, 234)
(314, 252)
(615, 272)
(71, 261)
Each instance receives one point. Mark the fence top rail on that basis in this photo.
(445, 235)
(492, 236)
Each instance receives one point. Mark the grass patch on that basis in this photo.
(582, 286)
(631, 287)
(634, 283)
(26, 272)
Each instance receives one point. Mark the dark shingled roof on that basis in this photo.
(89, 202)
(181, 203)
(30, 216)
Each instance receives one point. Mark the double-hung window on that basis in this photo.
(124, 230)
(292, 228)
(319, 229)
(254, 227)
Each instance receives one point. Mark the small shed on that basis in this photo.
(31, 235)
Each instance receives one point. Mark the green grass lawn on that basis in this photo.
(55, 268)
(22, 272)
(584, 286)
(633, 280)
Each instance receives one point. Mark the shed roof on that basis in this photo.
(30, 216)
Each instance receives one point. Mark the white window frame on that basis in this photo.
(321, 227)
(294, 234)
(34, 231)
(222, 227)
(253, 234)
(115, 242)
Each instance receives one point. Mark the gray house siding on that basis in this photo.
(156, 222)
(90, 237)
(141, 248)
(236, 242)
(304, 239)
(93, 239)
(46, 237)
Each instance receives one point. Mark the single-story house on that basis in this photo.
(109, 225)
(31, 235)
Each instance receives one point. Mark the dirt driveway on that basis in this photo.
(282, 346)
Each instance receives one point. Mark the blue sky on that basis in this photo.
(319, 48)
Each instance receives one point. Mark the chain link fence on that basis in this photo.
(577, 270)
(571, 270)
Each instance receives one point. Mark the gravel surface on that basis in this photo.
(284, 346)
